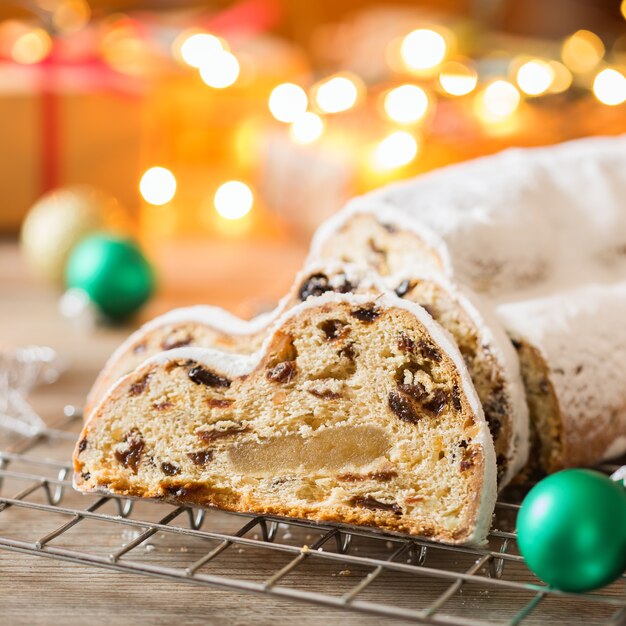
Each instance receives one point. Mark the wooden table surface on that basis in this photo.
(34, 590)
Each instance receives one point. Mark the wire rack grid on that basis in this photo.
(343, 567)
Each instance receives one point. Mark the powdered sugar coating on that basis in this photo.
(213, 316)
(517, 224)
(620, 475)
(581, 334)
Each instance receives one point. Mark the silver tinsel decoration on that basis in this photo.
(21, 369)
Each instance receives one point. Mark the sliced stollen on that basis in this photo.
(356, 410)
(487, 351)
(513, 225)
(572, 348)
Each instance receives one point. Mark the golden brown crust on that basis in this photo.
(198, 494)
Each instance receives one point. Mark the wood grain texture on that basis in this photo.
(38, 591)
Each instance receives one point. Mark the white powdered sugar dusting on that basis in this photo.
(212, 316)
(581, 334)
(519, 223)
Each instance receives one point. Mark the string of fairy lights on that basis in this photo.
(424, 69)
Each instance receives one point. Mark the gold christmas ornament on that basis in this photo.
(62, 218)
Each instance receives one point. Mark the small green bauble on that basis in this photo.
(571, 530)
(113, 272)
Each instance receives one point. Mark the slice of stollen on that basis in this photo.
(487, 351)
(356, 410)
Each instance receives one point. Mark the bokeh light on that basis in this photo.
(199, 49)
(157, 185)
(395, 150)
(307, 128)
(336, 94)
(31, 47)
(423, 49)
(221, 71)
(457, 79)
(233, 200)
(535, 77)
(124, 49)
(288, 102)
(582, 51)
(406, 104)
(609, 87)
(498, 101)
(562, 77)
(70, 16)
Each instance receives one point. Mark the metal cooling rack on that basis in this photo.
(343, 567)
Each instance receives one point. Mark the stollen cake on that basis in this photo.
(356, 410)
(519, 226)
(487, 351)
(572, 347)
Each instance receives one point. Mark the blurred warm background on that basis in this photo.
(221, 133)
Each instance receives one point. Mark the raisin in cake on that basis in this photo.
(487, 351)
(572, 348)
(511, 225)
(356, 410)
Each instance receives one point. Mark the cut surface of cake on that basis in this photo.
(487, 351)
(356, 410)
(490, 359)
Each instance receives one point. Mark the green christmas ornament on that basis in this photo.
(571, 530)
(113, 272)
